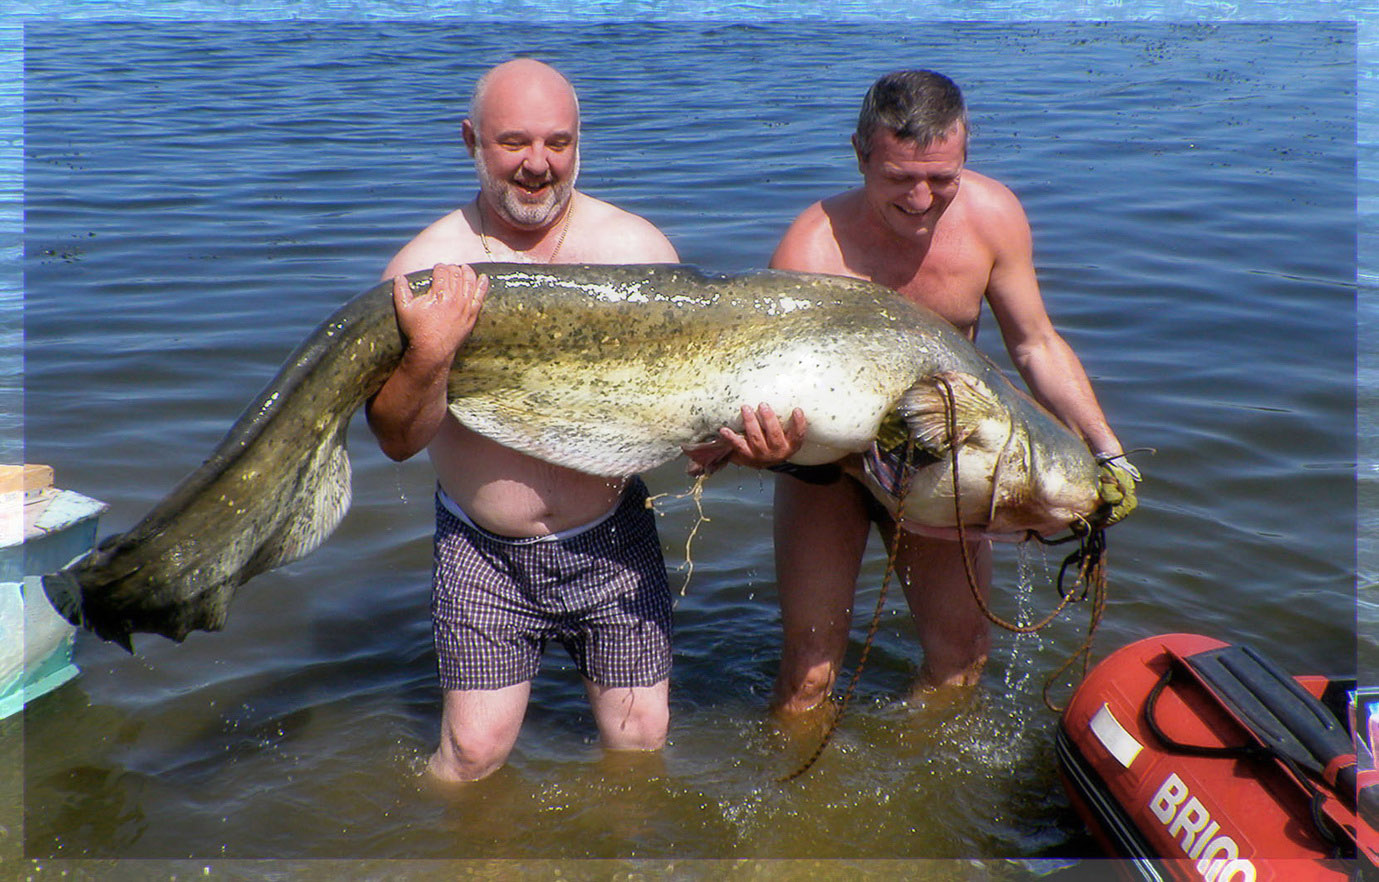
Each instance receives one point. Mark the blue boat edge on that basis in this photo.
(44, 528)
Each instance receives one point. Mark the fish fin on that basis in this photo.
(893, 431)
(64, 593)
(925, 409)
(285, 522)
(318, 503)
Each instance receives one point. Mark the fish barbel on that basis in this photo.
(609, 370)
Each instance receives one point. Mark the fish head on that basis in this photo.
(1037, 493)
(983, 455)
(1046, 478)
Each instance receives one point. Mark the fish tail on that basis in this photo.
(64, 592)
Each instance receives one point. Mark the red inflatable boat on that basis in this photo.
(1194, 759)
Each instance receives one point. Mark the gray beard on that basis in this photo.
(502, 193)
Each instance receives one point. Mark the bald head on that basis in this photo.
(527, 83)
(523, 132)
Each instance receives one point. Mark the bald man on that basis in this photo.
(527, 551)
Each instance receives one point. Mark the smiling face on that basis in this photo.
(524, 137)
(908, 186)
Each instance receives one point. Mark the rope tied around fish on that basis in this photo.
(1089, 560)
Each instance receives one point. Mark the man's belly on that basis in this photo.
(512, 494)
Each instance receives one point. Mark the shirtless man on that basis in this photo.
(521, 543)
(523, 134)
(945, 237)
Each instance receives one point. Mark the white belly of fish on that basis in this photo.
(843, 401)
(631, 419)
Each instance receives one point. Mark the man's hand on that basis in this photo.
(406, 412)
(1116, 479)
(763, 442)
(436, 321)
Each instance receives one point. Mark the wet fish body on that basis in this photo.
(610, 370)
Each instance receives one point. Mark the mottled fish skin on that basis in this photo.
(605, 369)
(611, 372)
(272, 490)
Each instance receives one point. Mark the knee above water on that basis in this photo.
(650, 727)
(447, 767)
(478, 753)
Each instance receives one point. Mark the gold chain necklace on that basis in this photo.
(565, 228)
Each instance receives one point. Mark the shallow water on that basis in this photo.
(198, 196)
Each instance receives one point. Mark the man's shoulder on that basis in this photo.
(993, 216)
(603, 212)
(811, 242)
(989, 200)
(616, 235)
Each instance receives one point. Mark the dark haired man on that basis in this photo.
(946, 237)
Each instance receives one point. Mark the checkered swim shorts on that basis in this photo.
(600, 591)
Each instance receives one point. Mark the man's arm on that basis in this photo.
(406, 412)
(1044, 359)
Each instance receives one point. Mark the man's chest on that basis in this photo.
(951, 282)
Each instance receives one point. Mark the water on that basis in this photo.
(199, 195)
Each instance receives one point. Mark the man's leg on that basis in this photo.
(478, 730)
(953, 632)
(820, 534)
(631, 718)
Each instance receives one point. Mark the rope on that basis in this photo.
(1090, 559)
(696, 493)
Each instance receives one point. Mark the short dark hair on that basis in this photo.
(917, 105)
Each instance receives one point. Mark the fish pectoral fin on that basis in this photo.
(925, 407)
(893, 431)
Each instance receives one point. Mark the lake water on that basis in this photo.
(198, 196)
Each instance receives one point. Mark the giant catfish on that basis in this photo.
(610, 370)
